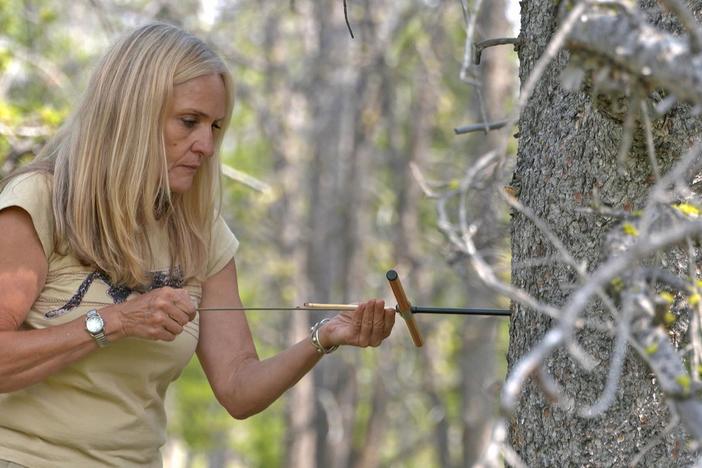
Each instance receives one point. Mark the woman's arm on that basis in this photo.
(242, 383)
(29, 356)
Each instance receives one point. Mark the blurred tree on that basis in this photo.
(481, 373)
(34, 88)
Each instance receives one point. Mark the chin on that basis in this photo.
(180, 186)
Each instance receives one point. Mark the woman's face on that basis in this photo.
(193, 119)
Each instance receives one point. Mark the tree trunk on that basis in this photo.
(302, 445)
(479, 334)
(567, 154)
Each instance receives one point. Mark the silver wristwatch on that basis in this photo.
(95, 326)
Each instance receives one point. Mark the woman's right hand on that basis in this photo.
(160, 314)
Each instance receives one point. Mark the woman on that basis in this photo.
(111, 241)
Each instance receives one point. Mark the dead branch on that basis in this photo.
(656, 58)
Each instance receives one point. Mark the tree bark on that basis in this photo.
(567, 155)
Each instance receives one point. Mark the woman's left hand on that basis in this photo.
(368, 325)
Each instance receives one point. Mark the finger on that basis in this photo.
(365, 311)
(179, 316)
(388, 321)
(164, 335)
(162, 328)
(169, 317)
(180, 306)
(185, 304)
(168, 310)
(378, 331)
(171, 325)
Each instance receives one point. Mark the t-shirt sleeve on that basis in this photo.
(32, 193)
(223, 246)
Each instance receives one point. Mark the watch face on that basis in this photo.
(94, 324)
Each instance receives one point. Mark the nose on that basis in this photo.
(204, 143)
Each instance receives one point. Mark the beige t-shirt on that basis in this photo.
(108, 408)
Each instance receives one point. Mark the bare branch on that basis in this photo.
(658, 58)
(526, 366)
(479, 46)
(580, 299)
(554, 45)
(650, 148)
(25, 131)
(346, 17)
(553, 390)
(688, 21)
(674, 421)
(470, 33)
(422, 181)
(696, 313)
(689, 164)
(628, 129)
(616, 364)
(642, 58)
(481, 126)
(245, 179)
(50, 72)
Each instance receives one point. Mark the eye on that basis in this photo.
(216, 126)
(189, 122)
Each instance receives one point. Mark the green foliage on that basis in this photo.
(198, 417)
(198, 420)
(630, 230)
(260, 438)
(687, 209)
(669, 318)
(685, 382)
(203, 424)
(651, 349)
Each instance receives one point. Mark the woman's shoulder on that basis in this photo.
(31, 191)
(223, 246)
(31, 182)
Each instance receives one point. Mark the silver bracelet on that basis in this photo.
(314, 336)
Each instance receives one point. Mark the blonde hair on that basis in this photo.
(109, 162)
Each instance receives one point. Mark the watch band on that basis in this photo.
(101, 339)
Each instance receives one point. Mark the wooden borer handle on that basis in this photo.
(404, 307)
(319, 306)
(325, 306)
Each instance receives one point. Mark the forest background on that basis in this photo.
(330, 138)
